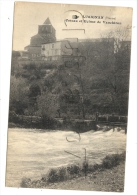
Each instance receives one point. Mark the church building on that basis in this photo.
(46, 34)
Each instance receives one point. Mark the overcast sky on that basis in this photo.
(27, 17)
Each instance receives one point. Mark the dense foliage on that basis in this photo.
(78, 89)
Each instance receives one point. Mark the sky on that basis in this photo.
(27, 17)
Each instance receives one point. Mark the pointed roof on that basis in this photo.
(47, 21)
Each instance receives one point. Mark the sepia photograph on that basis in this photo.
(69, 97)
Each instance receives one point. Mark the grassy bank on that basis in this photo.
(109, 180)
(66, 174)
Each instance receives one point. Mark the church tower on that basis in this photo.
(46, 34)
(46, 28)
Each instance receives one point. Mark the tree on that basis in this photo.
(110, 62)
(72, 97)
(47, 109)
(47, 104)
(18, 95)
(15, 63)
(15, 54)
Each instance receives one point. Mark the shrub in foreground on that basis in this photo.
(56, 175)
(62, 174)
(73, 169)
(25, 182)
(112, 160)
(52, 176)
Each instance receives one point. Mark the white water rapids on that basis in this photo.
(31, 153)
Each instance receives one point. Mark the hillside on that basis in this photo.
(74, 89)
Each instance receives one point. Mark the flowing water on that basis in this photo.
(31, 153)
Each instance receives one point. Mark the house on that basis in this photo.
(58, 50)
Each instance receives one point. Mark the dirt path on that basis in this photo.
(110, 180)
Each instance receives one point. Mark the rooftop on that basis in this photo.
(47, 22)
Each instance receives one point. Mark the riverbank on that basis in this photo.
(109, 180)
(78, 125)
(77, 129)
(107, 176)
(52, 124)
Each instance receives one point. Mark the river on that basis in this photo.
(31, 153)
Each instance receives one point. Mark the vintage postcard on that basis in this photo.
(69, 92)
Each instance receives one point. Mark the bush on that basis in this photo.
(62, 174)
(48, 65)
(113, 119)
(123, 156)
(94, 167)
(73, 169)
(52, 176)
(49, 122)
(13, 117)
(112, 160)
(85, 167)
(101, 118)
(25, 183)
